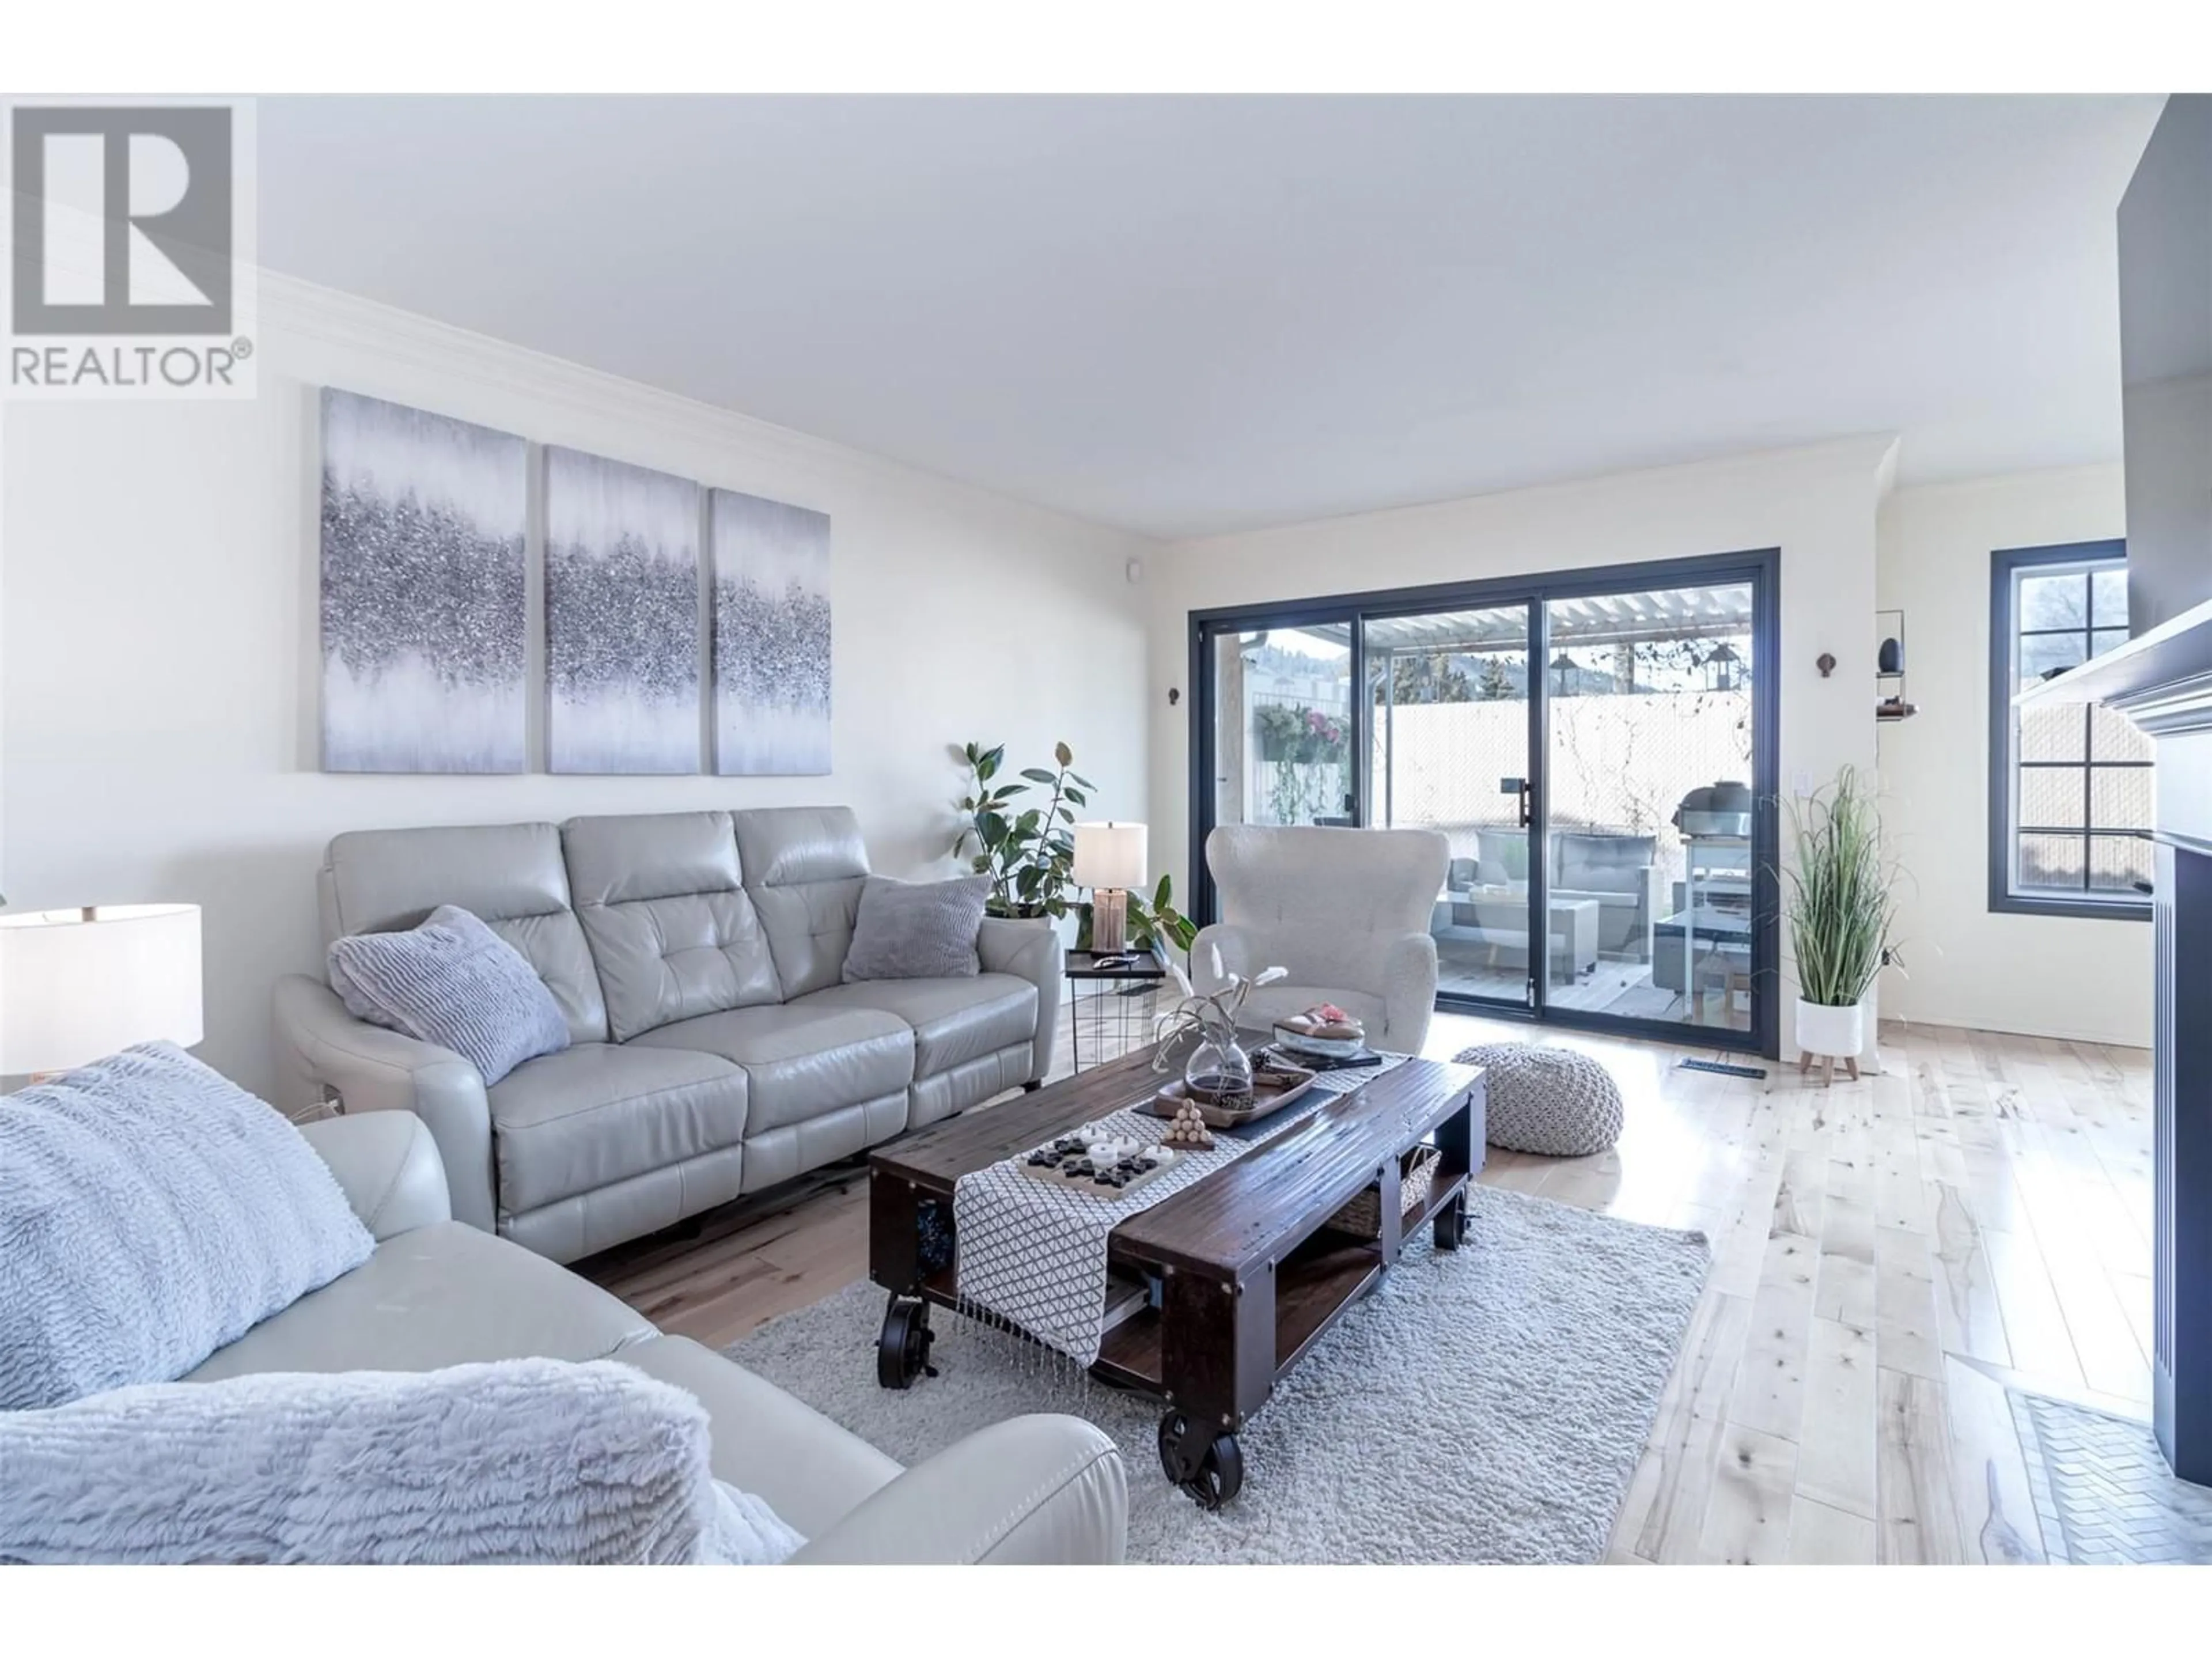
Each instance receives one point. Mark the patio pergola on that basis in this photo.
(1604, 619)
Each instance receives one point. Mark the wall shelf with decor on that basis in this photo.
(1889, 668)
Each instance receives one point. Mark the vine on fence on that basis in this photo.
(1307, 749)
(1297, 733)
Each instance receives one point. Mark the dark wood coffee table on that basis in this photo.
(1244, 1272)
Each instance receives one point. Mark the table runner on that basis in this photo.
(1032, 1254)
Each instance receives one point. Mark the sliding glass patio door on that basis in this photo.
(1448, 746)
(1651, 734)
(1282, 723)
(1598, 748)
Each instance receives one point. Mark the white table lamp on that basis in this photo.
(1109, 859)
(77, 984)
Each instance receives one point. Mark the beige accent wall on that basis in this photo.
(2059, 977)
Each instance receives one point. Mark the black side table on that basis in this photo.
(1118, 1009)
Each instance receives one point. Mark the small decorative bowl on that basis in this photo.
(1303, 1043)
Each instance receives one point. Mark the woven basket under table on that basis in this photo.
(1363, 1216)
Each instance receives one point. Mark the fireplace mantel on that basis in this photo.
(2162, 681)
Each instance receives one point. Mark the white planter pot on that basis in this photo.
(1821, 1029)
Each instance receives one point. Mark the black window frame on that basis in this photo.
(2005, 565)
(1761, 568)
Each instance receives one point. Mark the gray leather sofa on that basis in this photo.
(1043, 1489)
(714, 1051)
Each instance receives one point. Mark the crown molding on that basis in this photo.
(1984, 484)
(291, 310)
(1853, 463)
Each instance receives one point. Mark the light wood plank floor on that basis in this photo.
(1887, 1256)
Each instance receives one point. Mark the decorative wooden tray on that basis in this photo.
(1274, 1087)
(1067, 1162)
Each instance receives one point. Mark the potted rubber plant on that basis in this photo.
(1842, 911)
(1026, 849)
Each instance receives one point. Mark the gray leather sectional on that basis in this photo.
(714, 1049)
(1044, 1489)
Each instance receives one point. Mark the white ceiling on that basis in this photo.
(1189, 315)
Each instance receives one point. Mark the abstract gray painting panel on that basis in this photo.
(622, 617)
(425, 635)
(771, 637)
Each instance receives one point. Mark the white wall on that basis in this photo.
(2054, 975)
(159, 658)
(1817, 505)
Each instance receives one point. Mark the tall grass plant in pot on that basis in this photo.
(1843, 913)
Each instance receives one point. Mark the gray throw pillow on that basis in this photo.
(525, 1461)
(454, 982)
(151, 1212)
(917, 929)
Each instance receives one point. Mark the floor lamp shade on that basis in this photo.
(77, 984)
(1109, 859)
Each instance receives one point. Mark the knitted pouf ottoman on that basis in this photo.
(1551, 1101)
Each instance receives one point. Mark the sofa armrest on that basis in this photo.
(387, 1165)
(321, 1046)
(1031, 1491)
(1409, 992)
(1031, 950)
(1237, 947)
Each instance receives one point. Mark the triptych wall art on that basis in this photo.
(425, 629)
(426, 626)
(622, 617)
(771, 636)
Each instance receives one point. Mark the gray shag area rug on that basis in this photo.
(1486, 1405)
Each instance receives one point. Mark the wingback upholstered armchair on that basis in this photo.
(1343, 912)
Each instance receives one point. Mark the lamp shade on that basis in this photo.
(1109, 855)
(77, 984)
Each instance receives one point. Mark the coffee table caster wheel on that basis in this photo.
(902, 1350)
(1211, 1471)
(1452, 1224)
